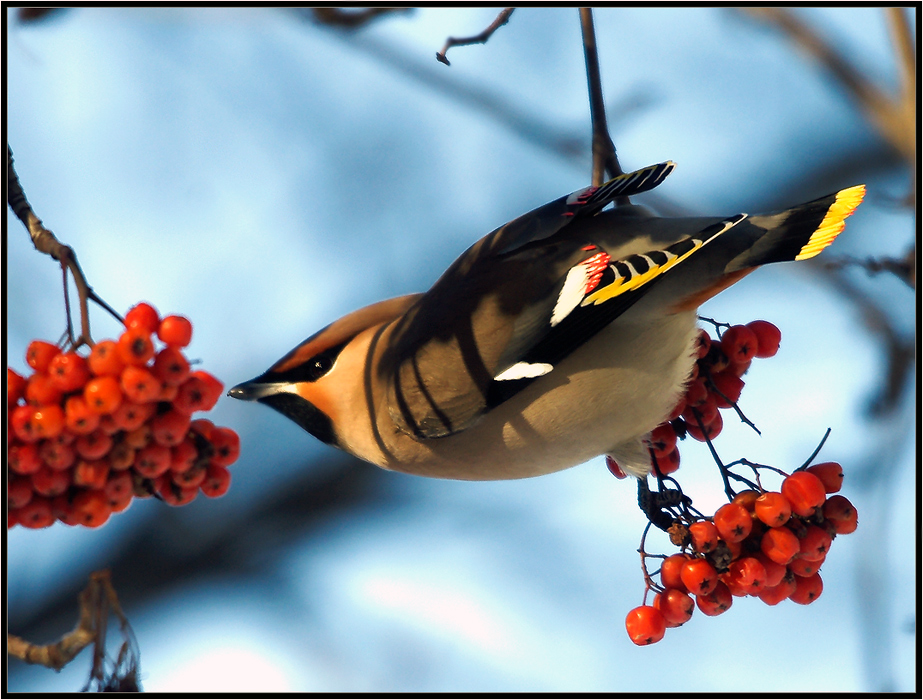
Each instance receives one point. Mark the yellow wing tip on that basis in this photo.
(834, 221)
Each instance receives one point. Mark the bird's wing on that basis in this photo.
(513, 306)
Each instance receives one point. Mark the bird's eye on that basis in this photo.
(319, 366)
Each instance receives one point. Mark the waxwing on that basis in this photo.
(565, 334)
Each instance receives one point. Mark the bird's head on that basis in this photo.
(318, 384)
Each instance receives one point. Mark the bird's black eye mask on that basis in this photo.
(309, 371)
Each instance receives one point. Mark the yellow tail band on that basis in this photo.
(834, 222)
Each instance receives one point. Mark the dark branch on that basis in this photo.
(46, 242)
(352, 19)
(481, 38)
(604, 157)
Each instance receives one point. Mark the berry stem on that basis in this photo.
(46, 242)
(815, 452)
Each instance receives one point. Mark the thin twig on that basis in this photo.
(352, 19)
(815, 452)
(46, 242)
(889, 116)
(605, 159)
(902, 268)
(481, 38)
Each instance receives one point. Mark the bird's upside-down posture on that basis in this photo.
(565, 334)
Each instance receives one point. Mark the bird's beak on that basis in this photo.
(255, 389)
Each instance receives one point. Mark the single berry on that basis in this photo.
(716, 602)
(143, 316)
(79, 418)
(645, 625)
(773, 508)
(15, 387)
(135, 347)
(68, 371)
(676, 606)
(171, 367)
(226, 443)
(175, 331)
(805, 492)
(739, 344)
(48, 421)
(103, 394)
(704, 536)
(815, 544)
(139, 385)
(807, 589)
(217, 481)
(40, 353)
(105, 360)
(842, 514)
(768, 338)
(780, 545)
(733, 522)
(830, 475)
(699, 577)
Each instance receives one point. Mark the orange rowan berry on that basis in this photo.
(119, 503)
(191, 478)
(217, 481)
(152, 461)
(669, 463)
(15, 387)
(63, 510)
(746, 574)
(733, 522)
(213, 388)
(645, 625)
(747, 499)
(226, 443)
(40, 390)
(24, 458)
(143, 316)
(91, 473)
(171, 367)
(121, 456)
(805, 567)
(726, 388)
(775, 572)
(140, 385)
(671, 570)
(662, 440)
(50, 482)
(170, 428)
(768, 337)
(57, 455)
(130, 415)
(183, 456)
(103, 394)
(716, 602)
(739, 344)
(676, 606)
(203, 427)
(48, 421)
(773, 595)
(22, 422)
(696, 392)
(118, 485)
(815, 544)
(79, 418)
(93, 445)
(138, 438)
(772, 508)
(19, 490)
(36, 513)
(91, 507)
(780, 545)
(699, 577)
(175, 331)
(807, 589)
(830, 475)
(68, 371)
(108, 425)
(842, 514)
(173, 494)
(704, 536)
(135, 347)
(39, 354)
(105, 360)
(805, 492)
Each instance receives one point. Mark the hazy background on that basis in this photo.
(263, 175)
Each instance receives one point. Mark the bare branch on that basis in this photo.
(481, 38)
(604, 157)
(353, 19)
(893, 121)
(902, 268)
(46, 242)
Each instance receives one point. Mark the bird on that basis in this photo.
(565, 334)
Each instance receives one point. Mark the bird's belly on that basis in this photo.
(605, 394)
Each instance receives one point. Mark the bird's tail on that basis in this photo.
(801, 232)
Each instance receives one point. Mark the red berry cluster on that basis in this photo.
(715, 383)
(765, 544)
(86, 434)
